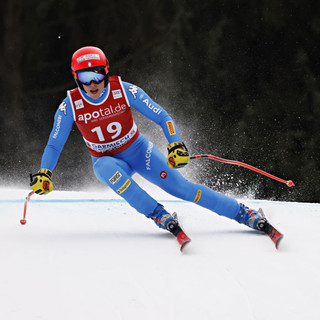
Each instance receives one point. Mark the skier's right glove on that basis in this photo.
(41, 182)
(178, 155)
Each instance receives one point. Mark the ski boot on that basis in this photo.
(251, 218)
(258, 221)
(165, 220)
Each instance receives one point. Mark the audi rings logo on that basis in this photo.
(163, 174)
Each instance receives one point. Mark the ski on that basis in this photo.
(177, 231)
(183, 240)
(274, 234)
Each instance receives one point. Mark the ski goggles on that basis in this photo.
(96, 75)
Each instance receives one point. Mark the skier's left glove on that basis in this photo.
(178, 155)
(41, 182)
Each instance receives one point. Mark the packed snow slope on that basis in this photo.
(91, 256)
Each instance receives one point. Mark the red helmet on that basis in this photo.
(88, 57)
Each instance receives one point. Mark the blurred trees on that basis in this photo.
(241, 79)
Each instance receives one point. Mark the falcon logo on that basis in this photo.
(57, 129)
(148, 155)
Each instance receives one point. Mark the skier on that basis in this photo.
(100, 106)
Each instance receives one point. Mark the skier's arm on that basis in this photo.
(178, 155)
(63, 121)
(41, 182)
(139, 100)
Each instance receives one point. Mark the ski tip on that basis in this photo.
(277, 243)
(184, 245)
(261, 212)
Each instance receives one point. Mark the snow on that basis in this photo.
(88, 255)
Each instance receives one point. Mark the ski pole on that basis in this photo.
(23, 220)
(289, 183)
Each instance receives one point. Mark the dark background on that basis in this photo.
(240, 78)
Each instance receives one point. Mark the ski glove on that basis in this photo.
(41, 182)
(178, 155)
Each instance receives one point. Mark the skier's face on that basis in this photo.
(94, 90)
